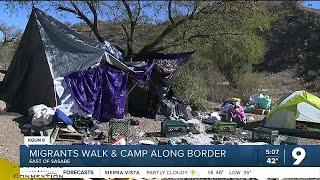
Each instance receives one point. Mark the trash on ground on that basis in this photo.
(196, 126)
(211, 117)
(119, 141)
(258, 104)
(267, 135)
(146, 142)
(171, 128)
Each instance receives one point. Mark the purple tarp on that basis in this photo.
(100, 91)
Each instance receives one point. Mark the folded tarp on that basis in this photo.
(170, 63)
(143, 71)
(100, 91)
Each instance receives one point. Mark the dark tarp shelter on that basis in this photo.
(145, 99)
(47, 50)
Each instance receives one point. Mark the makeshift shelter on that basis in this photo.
(145, 99)
(57, 66)
(299, 106)
(49, 50)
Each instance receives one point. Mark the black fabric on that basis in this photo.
(146, 101)
(82, 124)
(28, 81)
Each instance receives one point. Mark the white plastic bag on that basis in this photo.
(42, 115)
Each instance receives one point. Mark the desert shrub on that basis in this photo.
(234, 57)
(190, 87)
(248, 84)
(6, 54)
(220, 92)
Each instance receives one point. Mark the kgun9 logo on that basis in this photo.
(298, 154)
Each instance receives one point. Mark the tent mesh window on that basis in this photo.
(118, 128)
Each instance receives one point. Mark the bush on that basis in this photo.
(6, 54)
(248, 84)
(190, 86)
(220, 92)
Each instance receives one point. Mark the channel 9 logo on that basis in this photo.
(298, 154)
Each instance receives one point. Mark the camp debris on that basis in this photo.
(258, 104)
(232, 111)
(209, 118)
(267, 135)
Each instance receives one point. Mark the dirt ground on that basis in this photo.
(10, 137)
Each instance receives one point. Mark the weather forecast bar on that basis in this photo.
(171, 172)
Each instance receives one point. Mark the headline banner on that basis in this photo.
(168, 156)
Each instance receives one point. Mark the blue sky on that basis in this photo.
(314, 4)
(20, 19)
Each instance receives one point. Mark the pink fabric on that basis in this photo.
(238, 113)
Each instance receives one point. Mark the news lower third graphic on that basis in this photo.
(178, 161)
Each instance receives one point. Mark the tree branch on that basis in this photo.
(126, 5)
(93, 25)
(170, 12)
(9, 33)
(133, 19)
(151, 47)
(63, 8)
(94, 12)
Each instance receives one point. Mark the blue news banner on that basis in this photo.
(168, 156)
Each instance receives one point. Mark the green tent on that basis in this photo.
(299, 106)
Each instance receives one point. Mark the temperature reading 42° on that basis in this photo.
(298, 154)
(272, 160)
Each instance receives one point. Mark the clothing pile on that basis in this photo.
(48, 121)
(43, 121)
(173, 109)
(231, 110)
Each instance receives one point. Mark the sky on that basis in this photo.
(20, 19)
(314, 4)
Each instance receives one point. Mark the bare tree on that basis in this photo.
(10, 33)
(75, 9)
(177, 22)
(131, 13)
(133, 21)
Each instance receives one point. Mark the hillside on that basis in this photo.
(294, 44)
(290, 62)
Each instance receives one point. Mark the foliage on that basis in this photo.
(234, 57)
(293, 43)
(190, 86)
(6, 54)
(248, 84)
(240, 45)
